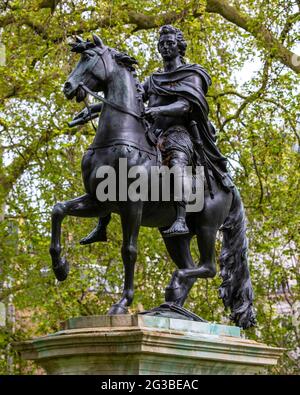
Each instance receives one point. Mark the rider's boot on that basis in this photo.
(98, 233)
(178, 227)
(182, 191)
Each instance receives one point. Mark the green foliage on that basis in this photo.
(256, 117)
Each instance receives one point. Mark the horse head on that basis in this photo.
(91, 70)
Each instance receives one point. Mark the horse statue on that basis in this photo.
(121, 134)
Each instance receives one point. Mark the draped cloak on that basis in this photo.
(178, 83)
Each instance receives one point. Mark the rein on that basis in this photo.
(123, 109)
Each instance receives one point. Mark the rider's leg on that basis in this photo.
(99, 232)
(182, 190)
(179, 226)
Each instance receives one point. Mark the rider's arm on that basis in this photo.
(178, 108)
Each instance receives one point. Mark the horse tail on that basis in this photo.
(236, 288)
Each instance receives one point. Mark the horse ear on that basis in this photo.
(98, 41)
(79, 39)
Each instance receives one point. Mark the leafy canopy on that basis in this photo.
(249, 49)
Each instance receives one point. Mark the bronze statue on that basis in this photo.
(175, 125)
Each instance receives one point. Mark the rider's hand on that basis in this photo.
(82, 114)
(153, 112)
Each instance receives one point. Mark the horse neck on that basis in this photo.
(121, 89)
(117, 125)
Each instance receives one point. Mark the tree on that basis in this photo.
(256, 117)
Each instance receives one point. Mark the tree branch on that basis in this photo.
(11, 19)
(263, 35)
(52, 4)
(6, 20)
(20, 163)
(288, 25)
(257, 171)
(265, 99)
(11, 93)
(250, 98)
(145, 21)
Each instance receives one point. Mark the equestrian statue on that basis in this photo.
(173, 130)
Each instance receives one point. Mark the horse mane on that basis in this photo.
(123, 59)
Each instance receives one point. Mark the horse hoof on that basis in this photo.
(117, 309)
(172, 294)
(61, 270)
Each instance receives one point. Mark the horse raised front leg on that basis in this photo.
(131, 216)
(83, 206)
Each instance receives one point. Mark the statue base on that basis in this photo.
(142, 344)
(172, 310)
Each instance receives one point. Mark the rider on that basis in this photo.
(176, 95)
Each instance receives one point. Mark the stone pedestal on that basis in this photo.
(139, 344)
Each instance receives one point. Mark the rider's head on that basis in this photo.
(171, 42)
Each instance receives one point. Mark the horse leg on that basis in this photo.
(131, 216)
(83, 206)
(206, 228)
(207, 269)
(179, 250)
(206, 244)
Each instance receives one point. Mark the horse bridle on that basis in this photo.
(117, 107)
